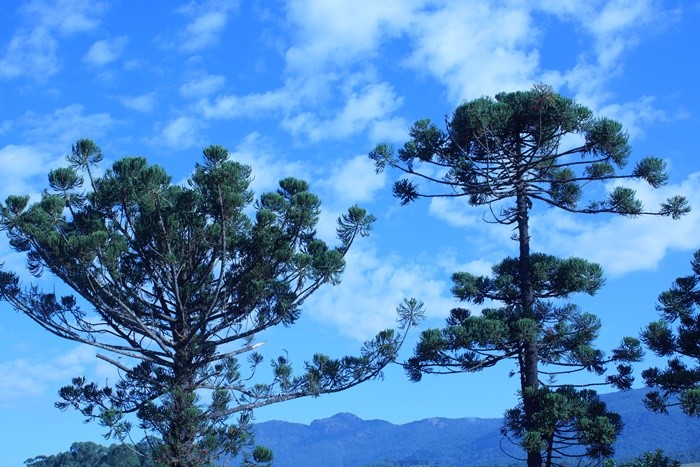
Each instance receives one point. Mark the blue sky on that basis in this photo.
(307, 88)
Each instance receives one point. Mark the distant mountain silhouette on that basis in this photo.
(345, 440)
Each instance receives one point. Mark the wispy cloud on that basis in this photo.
(254, 105)
(65, 125)
(612, 29)
(24, 168)
(641, 114)
(332, 34)
(26, 378)
(207, 21)
(476, 49)
(268, 163)
(143, 103)
(384, 282)
(622, 244)
(201, 85)
(105, 51)
(362, 108)
(33, 48)
(317, 102)
(181, 133)
(351, 183)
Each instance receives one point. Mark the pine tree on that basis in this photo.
(509, 155)
(180, 281)
(676, 336)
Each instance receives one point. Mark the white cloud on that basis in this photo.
(355, 181)
(66, 16)
(620, 15)
(476, 49)
(208, 20)
(48, 139)
(181, 133)
(30, 53)
(201, 85)
(480, 267)
(455, 211)
(269, 167)
(65, 126)
(316, 102)
(338, 33)
(622, 244)
(105, 51)
(143, 103)
(384, 282)
(250, 106)
(24, 169)
(390, 129)
(30, 377)
(614, 27)
(640, 114)
(33, 49)
(363, 108)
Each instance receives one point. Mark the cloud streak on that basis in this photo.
(33, 50)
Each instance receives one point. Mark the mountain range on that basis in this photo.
(345, 440)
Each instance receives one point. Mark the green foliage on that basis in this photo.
(488, 141)
(561, 417)
(647, 459)
(179, 281)
(566, 419)
(259, 457)
(677, 336)
(565, 335)
(508, 153)
(89, 454)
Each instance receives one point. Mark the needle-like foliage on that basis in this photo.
(510, 153)
(179, 281)
(676, 336)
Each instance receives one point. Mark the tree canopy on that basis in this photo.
(563, 417)
(676, 336)
(509, 154)
(179, 281)
(82, 454)
(513, 148)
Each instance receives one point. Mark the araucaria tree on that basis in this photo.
(510, 154)
(676, 336)
(180, 281)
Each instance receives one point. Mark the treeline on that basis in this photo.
(89, 454)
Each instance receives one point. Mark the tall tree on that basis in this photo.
(181, 282)
(676, 336)
(508, 154)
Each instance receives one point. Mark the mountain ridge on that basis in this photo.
(346, 440)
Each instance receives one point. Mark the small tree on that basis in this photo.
(571, 423)
(509, 154)
(676, 336)
(182, 281)
(563, 417)
(647, 459)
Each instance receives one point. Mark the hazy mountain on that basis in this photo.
(345, 440)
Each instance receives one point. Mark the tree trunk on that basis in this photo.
(530, 379)
(180, 447)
